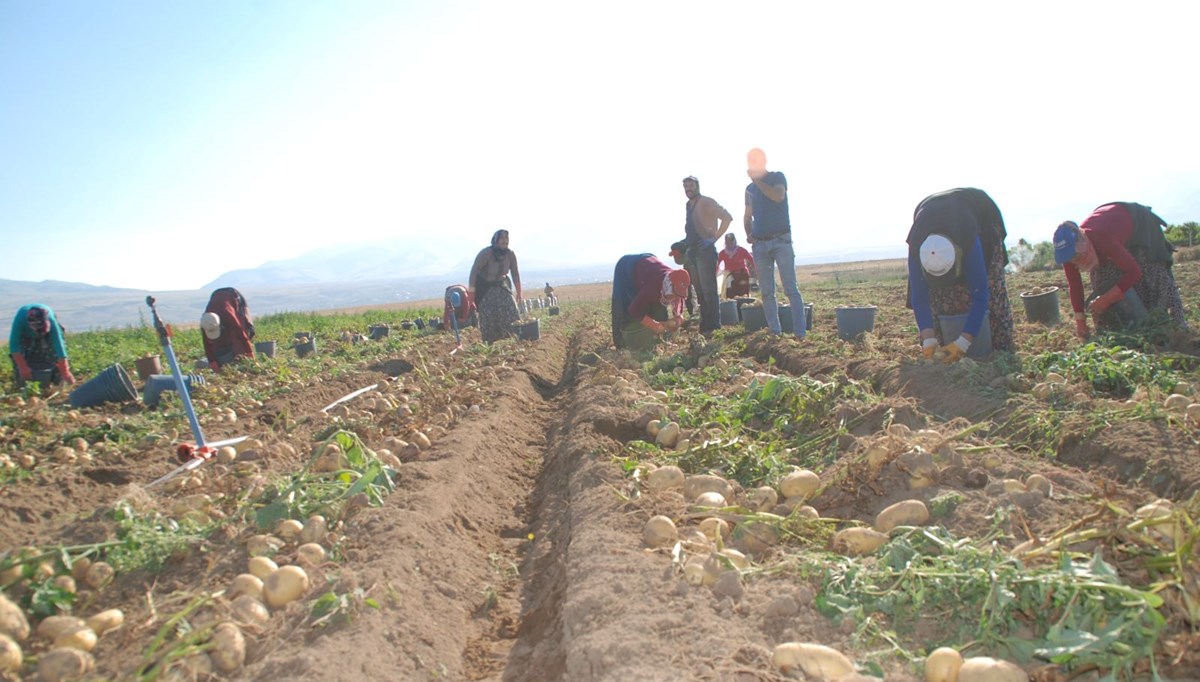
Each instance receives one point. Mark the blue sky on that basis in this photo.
(158, 144)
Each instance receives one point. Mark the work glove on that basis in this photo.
(953, 352)
(22, 366)
(214, 365)
(64, 370)
(928, 346)
(654, 325)
(1105, 300)
(1081, 326)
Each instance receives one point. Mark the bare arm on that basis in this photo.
(776, 193)
(516, 274)
(747, 221)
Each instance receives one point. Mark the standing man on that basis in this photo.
(739, 267)
(706, 222)
(769, 232)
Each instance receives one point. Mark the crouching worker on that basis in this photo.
(1122, 246)
(464, 312)
(647, 295)
(36, 345)
(739, 267)
(227, 328)
(956, 260)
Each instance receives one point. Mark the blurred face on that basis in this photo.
(691, 188)
(1085, 256)
(730, 244)
(502, 241)
(756, 161)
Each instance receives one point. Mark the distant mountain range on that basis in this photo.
(325, 279)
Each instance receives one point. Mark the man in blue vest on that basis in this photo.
(769, 233)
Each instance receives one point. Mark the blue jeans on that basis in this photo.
(702, 266)
(769, 253)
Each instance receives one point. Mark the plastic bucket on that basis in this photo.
(266, 348)
(808, 316)
(854, 321)
(43, 376)
(1042, 308)
(553, 310)
(147, 366)
(528, 331)
(785, 320)
(420, 323)
(379, 331)
(1124, 313)
(299, 335)
(951, 326)
(157, 383)
(406, 324)
(753, 318)
(307, 348)
(637, 337)
(729, 313)
(111, 385)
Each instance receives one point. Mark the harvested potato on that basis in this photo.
(315, 529)
(1055, 378)
(816, 661)
(903, 513)
(660, 531)
(757, 536)
(984, 669)
(858, 541)
(942, 665)
(289, 529)
(106, 621)
(668, 435)
(1176, 401)
(738, 559)
(653, 426)
(247, 584)
(227, 454)
(1193, 413)
(806, 512)
(665, 478)
(713, 528)
(64, 665)
(1039, 483)
(763, 499)
(710, 501)
(10, 655)
(694, 486)
(98, 575)
(79, 569)
(12, 620)
(800, 484)
(53, 626)
(248, 610)
(1164, 523)
(229, 648)
(693, 573)
(311, 552)
(261, 567)
(82, 638)
(285, 586)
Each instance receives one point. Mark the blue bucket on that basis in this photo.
(854, 321)
(157, 383)
(951, 326)
(111, 385)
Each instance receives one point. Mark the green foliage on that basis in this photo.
(1029, 257)
(147, 540)
(1186, 234)
(1113, 370)
(929, 589)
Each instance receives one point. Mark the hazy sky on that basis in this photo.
(159, 144)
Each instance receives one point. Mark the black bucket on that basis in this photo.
(265, 348)
(530, 330)
(1042, 307)
(379, 331)
(110, 386)
(307, 348)
(1124, 313)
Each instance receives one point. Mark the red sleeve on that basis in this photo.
(1074, 286)
(749, 259)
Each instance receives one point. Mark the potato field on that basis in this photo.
(743, 508)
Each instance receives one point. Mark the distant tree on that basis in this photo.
(1183, 235)
(1026, 257)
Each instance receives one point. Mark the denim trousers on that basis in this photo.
(769, 254)
(702, 266)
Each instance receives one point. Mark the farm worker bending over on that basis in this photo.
(956, 259)
(1122, 246)
(649, 292)
(36, 344)
(227, 328)
(739, 264)
(464, 311)
(495, 295)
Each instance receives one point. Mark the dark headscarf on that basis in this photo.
(498, 252)
(951, 217)
(39, 322)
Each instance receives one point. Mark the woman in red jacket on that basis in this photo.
(1122, 246)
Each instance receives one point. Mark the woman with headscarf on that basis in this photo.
(1122, 246)
(496, 296)
(36, 345)
(739, 266)
(227, 327)
(956, 260)
(649, 292)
